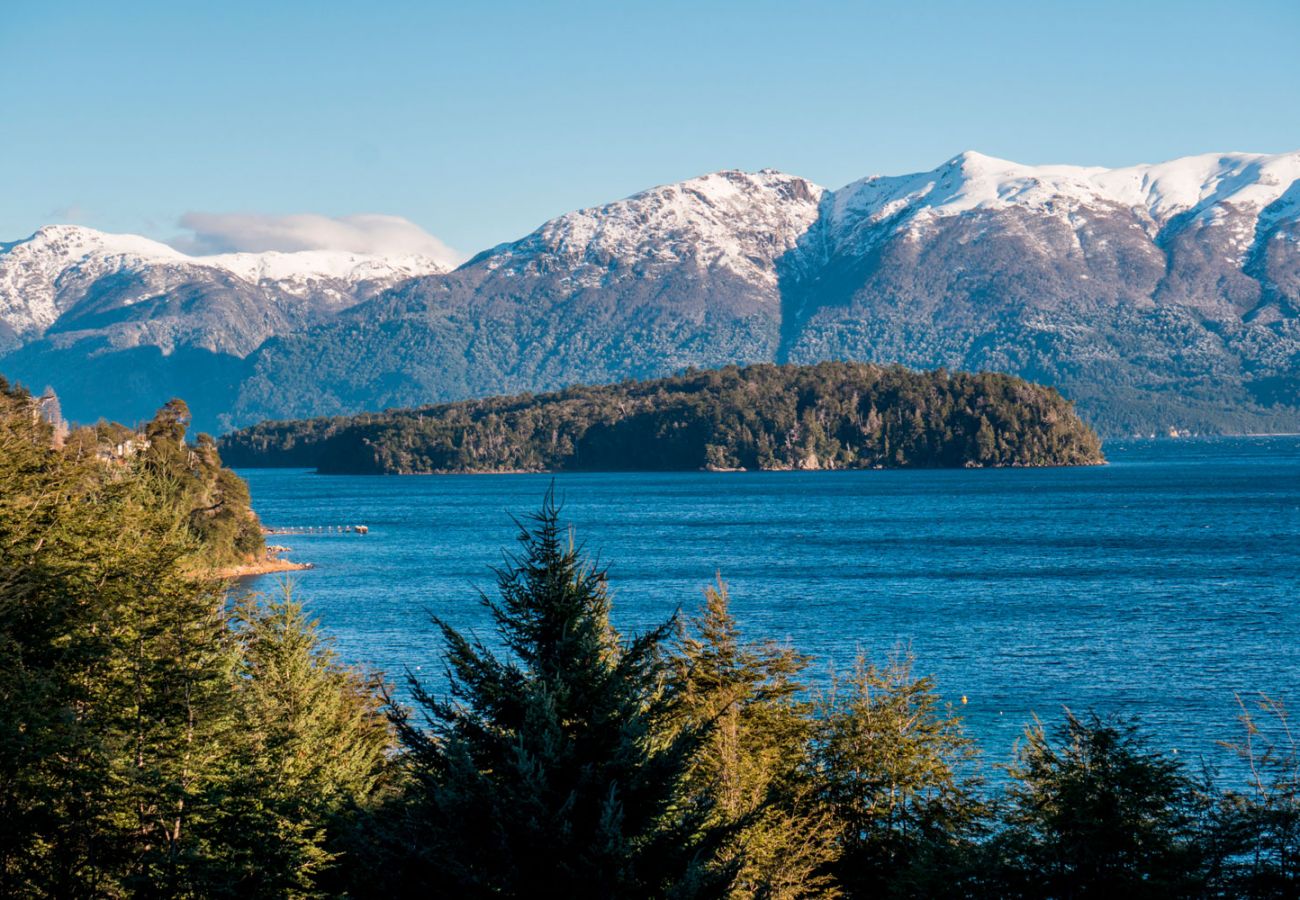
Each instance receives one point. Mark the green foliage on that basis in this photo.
(138, 732)
(831, 416)
(116, 675)
(314, 745)
(753, 767)
(896, 767)
(157, 739)
(214, 498)
(1096, 813)
(166, 433)
(53, 534)
(559, 767)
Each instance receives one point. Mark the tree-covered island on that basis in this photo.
(834, 415)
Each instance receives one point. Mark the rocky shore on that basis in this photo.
(271, 564)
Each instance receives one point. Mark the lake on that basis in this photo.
(1159, 585)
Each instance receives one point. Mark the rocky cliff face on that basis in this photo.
(1156, 296)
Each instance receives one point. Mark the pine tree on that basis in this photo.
(51, 767)
(558, 766)
(163, 705)
(753, 766)
(113, 676)
(124, 722)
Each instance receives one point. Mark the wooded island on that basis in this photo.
(833, 415)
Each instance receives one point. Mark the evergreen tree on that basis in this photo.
(168, 426)
(754, 764)
(192, 478)
(896, 767)
(313, 749)
(113, 676)
(51, 768)
(557, 767)
(136, 732)
(1095, 813)
(165, 704)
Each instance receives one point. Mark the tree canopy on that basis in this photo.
(826, 416)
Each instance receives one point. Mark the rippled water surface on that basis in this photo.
(1159, 584)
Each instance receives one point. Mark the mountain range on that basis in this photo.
(1155, 296)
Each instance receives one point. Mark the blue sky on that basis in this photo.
(479, 121)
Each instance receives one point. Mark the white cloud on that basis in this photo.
(368, 233)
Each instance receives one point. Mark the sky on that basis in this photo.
(251, 125)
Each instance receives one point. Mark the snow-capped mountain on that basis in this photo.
(62, 268)
(1156, 295)
(731, 221)
(1246, 195)
(682, 274)
(1204, 186)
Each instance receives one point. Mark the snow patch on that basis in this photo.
(1201, 185)
(40, 276)
(738, 221)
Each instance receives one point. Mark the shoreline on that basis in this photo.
(711, 470)
(263, 567)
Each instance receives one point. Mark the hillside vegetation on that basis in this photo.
(764, 417)
(210, 503)
(157, 738)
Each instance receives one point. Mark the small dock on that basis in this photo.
(317, 529)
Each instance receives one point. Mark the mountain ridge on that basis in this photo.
(32, 269)
(1154, 295)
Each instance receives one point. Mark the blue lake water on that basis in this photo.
(1159, 585)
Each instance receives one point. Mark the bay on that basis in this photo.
(1161, 585)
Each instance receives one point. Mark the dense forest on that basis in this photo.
(161, 736)
(760, 417)
(157, 738)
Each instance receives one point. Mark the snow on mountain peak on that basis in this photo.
(737, 220)
(75, 242)
(1251, 181)
(37, 275)
(311, 265)
(969, 181)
